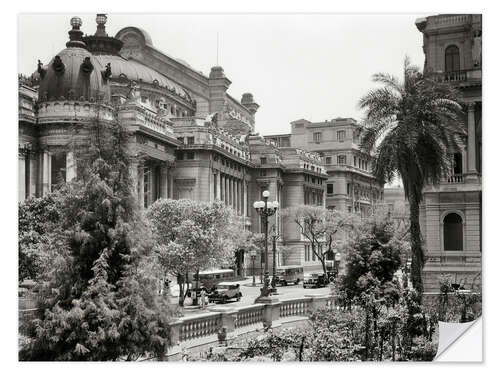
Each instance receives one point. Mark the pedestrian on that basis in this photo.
(203, 298)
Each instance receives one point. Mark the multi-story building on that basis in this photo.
(189, 137)
(350, 185)
(451, 211)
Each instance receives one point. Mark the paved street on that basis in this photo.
(250, 293)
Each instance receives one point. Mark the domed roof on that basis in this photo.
(133, 70)
(73, 74)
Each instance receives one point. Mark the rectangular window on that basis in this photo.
(317, 137)
(328, 160)
(341, 159)
(263, 172)
(348, 189)
(329, 189)
(355, 161)
(263, 160)
(341, 135)
(190, 155)
(190, 140)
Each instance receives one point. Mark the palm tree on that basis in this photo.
(411, 127)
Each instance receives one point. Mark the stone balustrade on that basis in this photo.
(448, 20)
(249, 315)
(455, 179)
(266, 314)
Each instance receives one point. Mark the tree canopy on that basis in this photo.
(99, 300)
(412, 126)
(190, 236)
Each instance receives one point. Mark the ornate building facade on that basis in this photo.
(189, 137)
(451, 211)
(350, 185)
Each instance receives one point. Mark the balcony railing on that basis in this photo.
(455, 179)
(470, 75)
(449, 20)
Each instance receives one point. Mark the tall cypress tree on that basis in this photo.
(100, 302)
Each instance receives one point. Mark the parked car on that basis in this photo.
(289, 275)
(315, 280)
(225, 291)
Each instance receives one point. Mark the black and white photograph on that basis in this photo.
(248, 187)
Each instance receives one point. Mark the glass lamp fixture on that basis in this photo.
(76, 22)
(101, 19)
(265, 193)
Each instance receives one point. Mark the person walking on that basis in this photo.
(203, 298)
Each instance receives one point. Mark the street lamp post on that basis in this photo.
(253, 254)
(265, 209)
(273, 281)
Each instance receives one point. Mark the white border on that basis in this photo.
(8, 194)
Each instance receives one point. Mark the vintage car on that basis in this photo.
(286, 275)
(224, 292)
(315, 280)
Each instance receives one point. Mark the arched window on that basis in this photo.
(453, 232)
(451, 59)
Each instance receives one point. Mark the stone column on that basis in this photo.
(471, 142)
(222, 188)
(45, 173)
(163, 181)
(231, 191)
(217, 176)
(170, 193)
(245, 198)
(140, 185)
(134, 177)
(21, 162)
(70, 166)
(238, 200)
(233, 185)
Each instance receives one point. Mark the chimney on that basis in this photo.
(248, 102)
(218, 84)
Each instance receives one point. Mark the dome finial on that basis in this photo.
(101, 20)
(75, 34)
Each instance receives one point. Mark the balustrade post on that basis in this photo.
(271, 312)
(175, 332)
(229, 316)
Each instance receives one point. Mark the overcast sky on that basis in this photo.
(296, 65)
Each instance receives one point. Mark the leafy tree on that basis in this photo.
(38, 219)
(100, 301)
(190, 236)
(321, 227)
(411, 125)
(373, 257)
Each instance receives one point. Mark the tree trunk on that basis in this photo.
(417, 253)
(180, 282)
(197, 286)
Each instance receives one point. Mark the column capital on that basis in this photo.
(471, 107)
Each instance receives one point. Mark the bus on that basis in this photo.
(289, 275)
(210, 278)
